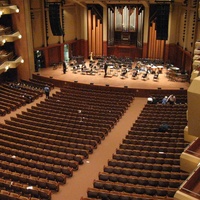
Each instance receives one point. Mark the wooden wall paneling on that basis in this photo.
(166, 53)
(150, 42)
(172, 53)
(54, 55)
(105, 48)
(178, 61)
(100, 39)
(163, 48)
(84, 48)
(187, 65)
(144, 52)
(157, 49)
(89, 31)
(46, 57)
(93, 34)
(153, 42)
(97, 34)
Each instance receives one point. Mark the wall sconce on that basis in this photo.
(6, 68)
(17, 10)
(1, 13)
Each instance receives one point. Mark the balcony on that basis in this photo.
(11, 37)
(8, 9)
(10, 64)
(190, 158)
(190, 189)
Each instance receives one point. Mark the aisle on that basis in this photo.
(76, 187)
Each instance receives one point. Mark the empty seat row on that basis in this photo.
(135, 188)
(114, 195)
(49, 134)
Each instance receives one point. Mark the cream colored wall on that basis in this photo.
(198, 30)
(194, 108)
(178, 21)
(37, 23)
(190, 40)
(83, 23)
(146, 24)
(71, 23)
(105, 25)
(180, 26)
(173, 24)
(38, 30)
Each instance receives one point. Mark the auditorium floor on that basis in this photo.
(76, 186)
(98, 79)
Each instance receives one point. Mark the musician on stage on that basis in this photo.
(64, 67)
(105, 68)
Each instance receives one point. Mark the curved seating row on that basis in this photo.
(13, 96)
(147, 163)
(43, 146)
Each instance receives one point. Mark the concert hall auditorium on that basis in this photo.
(99, 100)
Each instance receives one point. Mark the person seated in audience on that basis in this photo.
(151, 100)
(164, 100)
(171, 99)
(28, 98)
(163, 128)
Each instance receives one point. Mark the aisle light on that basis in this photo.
(6, 68)
(4, 41)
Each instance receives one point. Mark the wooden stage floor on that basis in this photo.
(98, 79)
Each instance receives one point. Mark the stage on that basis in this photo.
(164, 83)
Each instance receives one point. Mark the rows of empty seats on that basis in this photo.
(42, 147)
(42, 82)
(34, 83)
(147, 163)
(13, 96)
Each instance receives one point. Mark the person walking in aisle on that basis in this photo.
(47, 91)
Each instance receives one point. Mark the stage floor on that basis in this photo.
(114, 81)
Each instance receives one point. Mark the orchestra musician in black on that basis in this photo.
(105, 68)
(64, 67)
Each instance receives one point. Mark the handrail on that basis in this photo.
(194, 193)
(193, 152)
